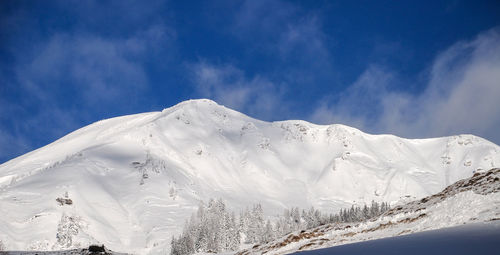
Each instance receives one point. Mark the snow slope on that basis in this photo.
(474, 200)
(133, 180)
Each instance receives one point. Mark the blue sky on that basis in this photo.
(411, 68)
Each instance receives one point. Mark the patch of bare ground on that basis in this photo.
(381, 226)
(390, 223)
(349, 234)
(404, 232)
(306, 246)
(315, 242)
(410, 220)
(301, 236)
(292, 238)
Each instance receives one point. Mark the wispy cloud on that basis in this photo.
(229, 85)
(292, 38)
(263, 19)
(97, 74)
(460, 97)
(64, 80)
(280, 56)
(360, 104)
(13, 144)
(96, 68)
(462, 86)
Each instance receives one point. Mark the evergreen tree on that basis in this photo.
(214, 229)
(269, 233)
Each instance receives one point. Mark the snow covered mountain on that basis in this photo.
(131, 182)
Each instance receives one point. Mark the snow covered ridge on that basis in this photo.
(475, 199)
(482, 183)
(130, 182)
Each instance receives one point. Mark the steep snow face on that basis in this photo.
(133, 180)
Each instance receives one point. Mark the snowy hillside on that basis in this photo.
(472, 200)
(131, 182)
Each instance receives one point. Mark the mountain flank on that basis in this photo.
(131, 182)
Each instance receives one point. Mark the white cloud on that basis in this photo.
(291, 36)
(304, 36)
(265, 19)
(461, 96)
(95, 68)
(359, 104)
(465, 87)
(12, 144)
(68, 78)
(60, 76)
(228, 85)
(97, 71)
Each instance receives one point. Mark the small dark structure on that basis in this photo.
(97, 249)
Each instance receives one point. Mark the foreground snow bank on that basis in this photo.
(477, 238)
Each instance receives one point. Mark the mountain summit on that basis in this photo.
(130, 182)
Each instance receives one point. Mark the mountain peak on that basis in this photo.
(165, 163)
(195, 105)
(201, 102)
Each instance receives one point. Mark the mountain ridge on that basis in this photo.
(134, 179)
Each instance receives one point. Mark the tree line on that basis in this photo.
(213, 228)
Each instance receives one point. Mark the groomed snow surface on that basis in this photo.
(131, 182)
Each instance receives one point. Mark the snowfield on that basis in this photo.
(131, 182)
